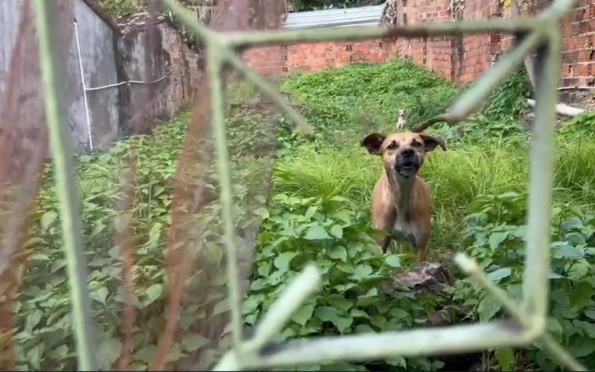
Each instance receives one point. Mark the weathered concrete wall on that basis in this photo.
(99, 66)
(108, 58)
(158, 56)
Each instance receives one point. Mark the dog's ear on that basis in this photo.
(373, 142)
(431, 142)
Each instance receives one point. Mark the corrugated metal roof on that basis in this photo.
(363, 16)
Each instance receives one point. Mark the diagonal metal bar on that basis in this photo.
(419, 342)
(260, 38)
(544, 339)
(60, 141)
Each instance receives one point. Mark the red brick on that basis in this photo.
(437, 53)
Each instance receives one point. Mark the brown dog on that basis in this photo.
(401, 200)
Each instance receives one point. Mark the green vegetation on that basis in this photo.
(319, 212)
(123, 7)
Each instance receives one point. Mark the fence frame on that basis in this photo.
(527, 323)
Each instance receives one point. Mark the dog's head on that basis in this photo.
(403, 153)
(402, 114)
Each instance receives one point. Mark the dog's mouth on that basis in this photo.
(407, 167)
(409, 164)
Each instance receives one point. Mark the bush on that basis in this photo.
(319, 213)
(496, 233)
(44, 340)
(338, 238)
(363, 97)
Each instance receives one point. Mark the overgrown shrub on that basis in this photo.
(496, 233)
(335, 236)
(44, 339)
(364, 97)
(319, 213)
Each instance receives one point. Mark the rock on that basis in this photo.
(426, 278)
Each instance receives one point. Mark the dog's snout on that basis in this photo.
(407, 153)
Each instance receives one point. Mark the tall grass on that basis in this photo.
(456, 177)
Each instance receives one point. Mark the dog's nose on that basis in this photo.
(408, 153)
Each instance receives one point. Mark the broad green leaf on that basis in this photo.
(357, 313)
(59, 353)
(363, 328)
(47, 219)
(581, 295)
(153, 293)
(487, 308)
(326, 313)
(316, 232)
(138, 367)
(342, 366)
(575, 238)
(221, 307)
(100, 295)
(337, 231)
(340, 302)
(554, 326)
(339, 253)
(578, 270)
(496, 238)
(264, 268)
(310, 212)
(283, 261)
(362, 272)
(346, 268)
(33, 319)
(344, 215)
(572, 223)
(568, 251)
(34, 355)
(506, 359)
(174, 353)
(194, 341)
(393, 261)
(108, 351)
(590, 314)
(155, 232)
(398, 313)
(497, 275)
(304, 314)
(397, 361)
(581, 346)
(146, 354)
(343, 323)
(262, 212)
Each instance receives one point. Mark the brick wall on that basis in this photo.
(462, 59)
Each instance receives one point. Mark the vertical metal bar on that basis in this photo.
(537, 261)
(214, 68)
(82, 72)
(68, 201)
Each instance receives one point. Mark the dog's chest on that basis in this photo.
(405, 230)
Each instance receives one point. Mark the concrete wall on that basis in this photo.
(108, 57)
(96, 40)
(156, 55)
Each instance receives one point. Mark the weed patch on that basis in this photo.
(319, 212)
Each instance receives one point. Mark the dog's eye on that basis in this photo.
(392, 146)
(415, 143)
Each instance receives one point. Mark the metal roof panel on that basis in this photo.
(362, 16)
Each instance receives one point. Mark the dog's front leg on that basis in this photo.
(384, 243)
(422, 251)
